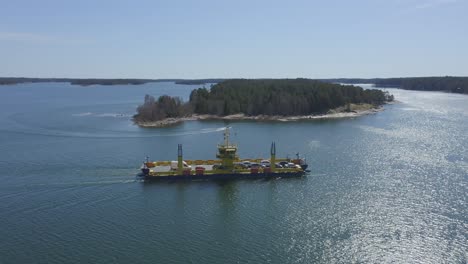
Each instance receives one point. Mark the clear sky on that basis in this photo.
(233, 39)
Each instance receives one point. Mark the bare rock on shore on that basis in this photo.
(341, 112)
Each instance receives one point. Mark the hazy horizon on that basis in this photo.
(245, 39)
(225, 78)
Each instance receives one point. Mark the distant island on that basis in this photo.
(198, 81)
(94, 81)
(278, 99)
(447, 83)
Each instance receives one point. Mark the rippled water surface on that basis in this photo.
(384, 188)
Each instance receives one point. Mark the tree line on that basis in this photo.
(99, 81)
(446, 83)
(449, 84)
(284, 97)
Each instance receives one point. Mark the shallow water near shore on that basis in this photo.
(384, 188)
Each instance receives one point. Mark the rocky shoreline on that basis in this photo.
(356, 110)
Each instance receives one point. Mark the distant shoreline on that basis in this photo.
(359, 110)
(94, 81)
(454, 84)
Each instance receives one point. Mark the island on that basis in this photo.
(266, 99)
(100, 81)
(446, 83)
(198, 81)
(451, 84)
(82, 82)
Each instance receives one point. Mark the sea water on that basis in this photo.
(390, 187)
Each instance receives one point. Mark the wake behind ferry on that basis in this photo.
(227, 166)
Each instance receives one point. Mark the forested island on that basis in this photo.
(278, 99)
(447, 83)
(99, 81)
(82, 82)
(199, 81)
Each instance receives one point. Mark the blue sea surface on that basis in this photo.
(390, 187)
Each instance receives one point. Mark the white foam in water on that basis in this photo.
(83, 114)
(210, 129)
(109, 134)
(410, 109)
(113, 115)
(197, 132)
(102, 115)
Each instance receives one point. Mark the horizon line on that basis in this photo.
(222, 78)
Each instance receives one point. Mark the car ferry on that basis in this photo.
(227, 166)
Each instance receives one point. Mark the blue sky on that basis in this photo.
(233, 39)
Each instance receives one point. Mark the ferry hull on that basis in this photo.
(225, 176)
